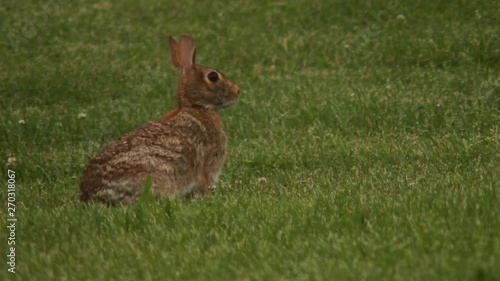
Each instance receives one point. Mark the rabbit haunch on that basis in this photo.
(183, 152)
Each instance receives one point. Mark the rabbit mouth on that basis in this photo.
(221, 105)
(230, 102)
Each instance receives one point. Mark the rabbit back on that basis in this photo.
(183, 155)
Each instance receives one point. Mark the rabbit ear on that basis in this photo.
(186, 51)
(173, 51)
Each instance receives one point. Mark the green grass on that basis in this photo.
(374, 123)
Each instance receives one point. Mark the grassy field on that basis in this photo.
(365, 145)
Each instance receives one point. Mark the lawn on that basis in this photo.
(365, 145)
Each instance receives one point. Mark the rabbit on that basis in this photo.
(182, 153)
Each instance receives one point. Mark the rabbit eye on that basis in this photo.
(213, 76)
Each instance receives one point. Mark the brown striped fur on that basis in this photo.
(183, 152)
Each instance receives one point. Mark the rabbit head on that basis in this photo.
(199, 86)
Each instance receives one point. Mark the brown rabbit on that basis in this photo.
(183, 153)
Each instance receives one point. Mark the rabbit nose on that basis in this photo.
(237, 90)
